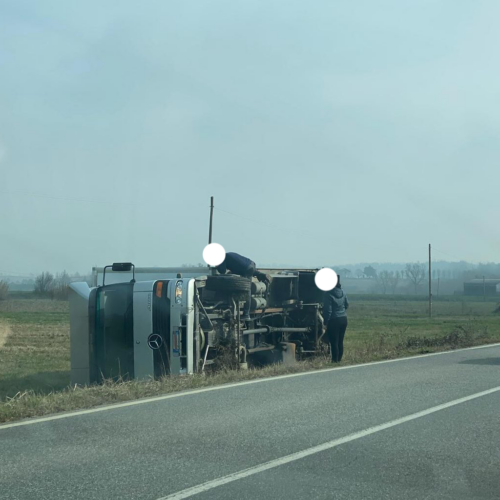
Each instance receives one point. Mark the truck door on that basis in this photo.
(161, 327)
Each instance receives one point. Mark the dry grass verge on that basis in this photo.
(30, 404)
(34, 362)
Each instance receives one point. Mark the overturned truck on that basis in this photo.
(187, 320)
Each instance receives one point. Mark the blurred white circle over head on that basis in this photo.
(326, 279)
(214, 254)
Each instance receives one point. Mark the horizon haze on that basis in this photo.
(327, 132)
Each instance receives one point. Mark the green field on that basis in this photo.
(382, 327)
(34, 346)
(34, 335)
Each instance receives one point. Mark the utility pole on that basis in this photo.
(430, 284)
(211, 219)
(438, 288)
(484, 290)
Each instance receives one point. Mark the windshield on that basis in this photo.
(113, 343)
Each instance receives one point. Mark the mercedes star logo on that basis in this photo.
(155, 341)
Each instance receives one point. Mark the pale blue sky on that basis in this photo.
(346, 130)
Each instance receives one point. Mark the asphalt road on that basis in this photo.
(423, 428)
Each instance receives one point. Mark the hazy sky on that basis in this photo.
(344, 130)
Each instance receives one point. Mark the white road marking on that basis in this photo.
(226, 386)
(215, 483)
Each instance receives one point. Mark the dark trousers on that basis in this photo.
(336, 331)
(249, 275)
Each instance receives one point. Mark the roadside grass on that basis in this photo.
(34, 360)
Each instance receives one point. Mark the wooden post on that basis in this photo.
(211, 219)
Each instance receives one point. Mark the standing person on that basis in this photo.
(244, 267)
(335, 317)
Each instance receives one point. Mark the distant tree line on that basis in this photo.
(55, 287)
(46, 285)
(388, 278)
(446, 269)
(447, 277)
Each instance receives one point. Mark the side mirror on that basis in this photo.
(120, 267)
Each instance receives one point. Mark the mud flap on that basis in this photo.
(288, 353)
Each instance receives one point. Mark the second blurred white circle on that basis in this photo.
(214, 254)
(326, 279)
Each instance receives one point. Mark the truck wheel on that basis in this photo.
(228, 283)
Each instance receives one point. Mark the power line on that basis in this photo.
(446, 253)
(83, 200)
(128, 202)
(16, 274)
(285, 229)
(260, 223)
(62, 198)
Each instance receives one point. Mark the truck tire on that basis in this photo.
(228, 283)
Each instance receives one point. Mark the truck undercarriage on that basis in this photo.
(286, 321)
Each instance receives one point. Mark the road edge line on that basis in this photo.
(62, 415)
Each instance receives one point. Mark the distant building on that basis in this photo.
(480, 287)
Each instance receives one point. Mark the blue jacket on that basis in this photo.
(236, 263)
(335, 304)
